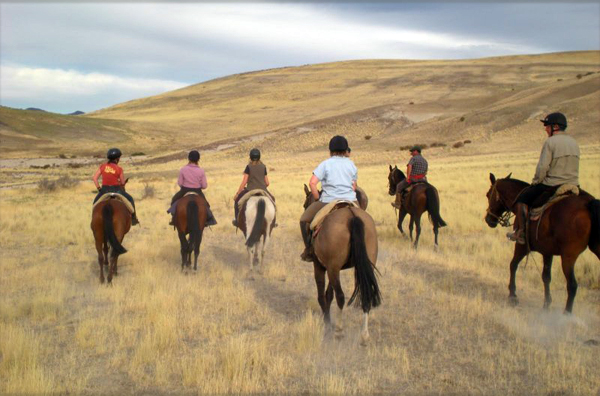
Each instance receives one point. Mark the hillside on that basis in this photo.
(395, 102)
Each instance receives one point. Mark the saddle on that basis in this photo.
(407, 190)
(561, 193)
(328, 209)
(117, 196)
(254, 193)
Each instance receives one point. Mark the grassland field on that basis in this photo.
(444, 325)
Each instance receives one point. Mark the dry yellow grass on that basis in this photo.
(444, 325)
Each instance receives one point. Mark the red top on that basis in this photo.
(111, 173)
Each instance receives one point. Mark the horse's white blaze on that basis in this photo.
(257, 251)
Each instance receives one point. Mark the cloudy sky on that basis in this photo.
(70, 56)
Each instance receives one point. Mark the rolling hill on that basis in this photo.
(381, 103)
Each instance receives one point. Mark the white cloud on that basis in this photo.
(19, 83)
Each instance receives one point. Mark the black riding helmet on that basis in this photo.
(113, 154)
(255, 154)
(194, 156)
(556, 119)
(338, 143)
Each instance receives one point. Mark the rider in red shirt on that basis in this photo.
(113, 179)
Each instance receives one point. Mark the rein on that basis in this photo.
(506, 215)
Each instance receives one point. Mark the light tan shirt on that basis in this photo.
(559, 161)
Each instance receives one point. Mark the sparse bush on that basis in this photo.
(467, 141)
(579, 76)
(137, 154)
(559, 79)
(438, 144)
(74, 165)
(62, 156)
(458, 144)
(411, 103)
(148, 191)
(66, 181)
(46, 185)
(462, 119)
(368, 137)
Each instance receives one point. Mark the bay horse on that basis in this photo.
(111, 220)
(565, 229)
(257, 216)
(423, 197)
(347, 238)
(190, 218)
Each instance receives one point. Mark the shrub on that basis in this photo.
(438, 144)
(368, 137)
(46, 185)
(74, 165)
(458, 144)
(148, 191)
(462, 119)
(65, 181)
(62, 156)
(137, 154)
(579, 76)
(411, 103)
(467, 141)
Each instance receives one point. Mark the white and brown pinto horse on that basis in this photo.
(256, 220)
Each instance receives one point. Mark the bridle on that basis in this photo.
(506, 215)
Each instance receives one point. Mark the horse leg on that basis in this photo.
(197, 244)
(334, 282)
(401, 217)
(546, 278)
(568, 264)
(435, 235)
(418, 225)
(184, 249)
(101, 258)
(320, 281)
(112, 265)
(410, 227)
(520, 252)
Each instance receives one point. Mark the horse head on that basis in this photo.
(309, 197)
(500, 196)
(394, 177)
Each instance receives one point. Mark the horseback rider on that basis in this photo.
(113, 179)
(338, 176)
(255, 178)
(558, 165)
(416, 171)
(191, 179)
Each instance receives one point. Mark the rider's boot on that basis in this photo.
(308, 253)
(518, 234)
(398, 202)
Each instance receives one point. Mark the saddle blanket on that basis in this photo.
(561, 192)
(254, 193)
(107, 196)
(325, 210)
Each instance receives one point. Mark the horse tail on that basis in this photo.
(259, 219)
(365, 279)
(433, 206)
(594, 242)
(193, 224)
(109, 231)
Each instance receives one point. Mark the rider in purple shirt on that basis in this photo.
(191, 179)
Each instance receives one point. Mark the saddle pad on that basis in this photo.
(190, 193)
(107, 196)
(325, 210)
(561, 192)
(254, 193)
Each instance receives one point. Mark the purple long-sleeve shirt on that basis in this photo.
(192, 176)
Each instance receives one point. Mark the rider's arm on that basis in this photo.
(314, 180)
(354, 185)
(122, 179)
(95, 178)
(408, 170)
(244, 182)
(543, 165)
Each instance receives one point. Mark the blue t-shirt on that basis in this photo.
(337, 175)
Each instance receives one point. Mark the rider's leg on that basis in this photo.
(399, 188)
(305, 220)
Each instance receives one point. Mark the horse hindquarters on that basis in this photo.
(433, 207)
(195, 231)
(594, 241)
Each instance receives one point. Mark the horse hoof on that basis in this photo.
(364, 339)
(513, 301)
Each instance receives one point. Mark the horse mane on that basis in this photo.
(519, 183)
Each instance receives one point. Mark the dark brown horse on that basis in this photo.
(347, 238)
(190, 218)
(111, 220)
(423, 197)
(565, 229)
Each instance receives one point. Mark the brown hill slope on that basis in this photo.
(394, 102)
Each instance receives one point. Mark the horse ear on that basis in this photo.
(492, 178)
(509, 175)
(306, 190)
(390, 168)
